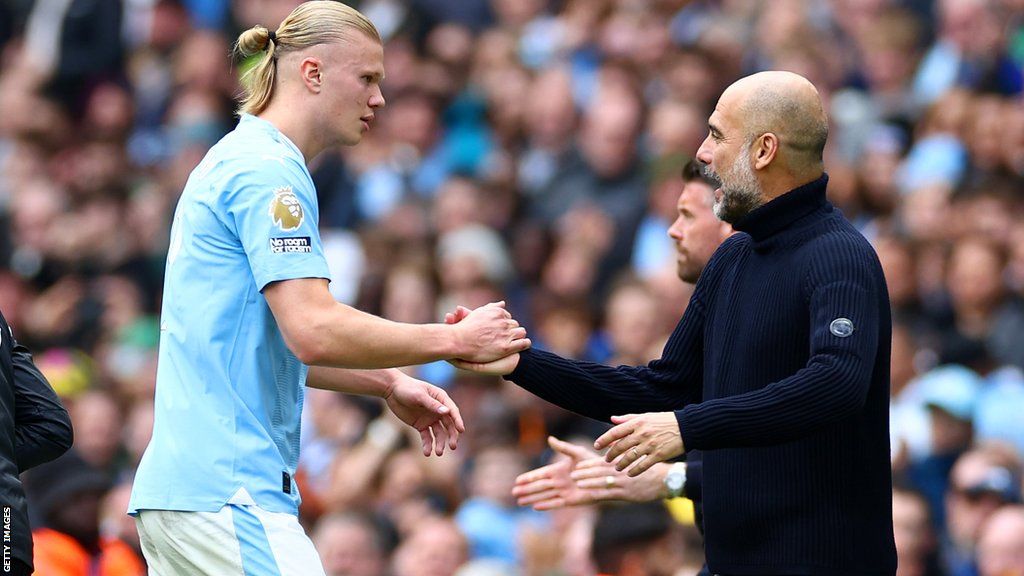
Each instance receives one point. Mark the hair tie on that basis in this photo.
(271, 37)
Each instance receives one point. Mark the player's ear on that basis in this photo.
(312, 74)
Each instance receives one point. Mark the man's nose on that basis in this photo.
(675, 232)
(704, 152)
(377, 100)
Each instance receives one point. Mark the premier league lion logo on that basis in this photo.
(285, 210)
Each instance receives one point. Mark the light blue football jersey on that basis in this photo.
(228, 391)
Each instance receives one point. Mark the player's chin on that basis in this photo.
(351, 139)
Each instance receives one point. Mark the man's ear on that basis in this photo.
(312, 74)
(766, 146)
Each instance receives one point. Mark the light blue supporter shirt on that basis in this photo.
(229, 391)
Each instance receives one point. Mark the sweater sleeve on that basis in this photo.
(600, 391)
(842, 292)
(669, 383)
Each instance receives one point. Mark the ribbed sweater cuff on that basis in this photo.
(682, 430)
(522, 368)
(687, 431)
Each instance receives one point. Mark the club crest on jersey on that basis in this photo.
(285, 210)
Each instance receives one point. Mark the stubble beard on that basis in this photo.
(687, 272)
(741, 193)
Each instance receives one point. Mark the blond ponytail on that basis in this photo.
(311, 23)
(258, 80)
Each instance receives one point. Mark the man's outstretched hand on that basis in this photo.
(429, 410)
(581, 476)
(550, 487)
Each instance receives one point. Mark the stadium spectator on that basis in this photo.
(995, 414)
(603, 175)
(631, 322)
(987, 316)
(350, 545)
(916, 543)
(434, 547)
(488, 517)
(969, 52)
(635, 540)
(98, 428)
(945, 398)
(1001, 546)
(66, 495)
(983, 480)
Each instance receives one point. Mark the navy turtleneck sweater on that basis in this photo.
(779, 373)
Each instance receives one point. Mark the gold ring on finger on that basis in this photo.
(609, 481)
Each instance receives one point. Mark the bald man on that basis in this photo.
(779, 369)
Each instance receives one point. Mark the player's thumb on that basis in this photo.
(433, 404)
(438, 407)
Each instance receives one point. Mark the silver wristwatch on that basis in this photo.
(675, 480)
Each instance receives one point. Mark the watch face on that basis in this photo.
(674, 481)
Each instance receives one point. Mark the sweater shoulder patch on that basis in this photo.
(841, 327)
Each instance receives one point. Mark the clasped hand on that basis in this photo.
(506, 358)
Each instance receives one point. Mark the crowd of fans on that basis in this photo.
(530, 151)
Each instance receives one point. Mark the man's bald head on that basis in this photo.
(787, 105)
(766, 136)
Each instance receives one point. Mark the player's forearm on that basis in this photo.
(322, 332)
(353, 381)
(348, 338)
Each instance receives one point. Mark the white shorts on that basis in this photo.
(238, 540)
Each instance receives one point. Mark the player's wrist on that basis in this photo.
(457, 346)
(390, 380)
(449, 340)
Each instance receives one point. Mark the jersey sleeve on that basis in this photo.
(273, 210)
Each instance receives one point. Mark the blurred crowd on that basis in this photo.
(530, 151)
